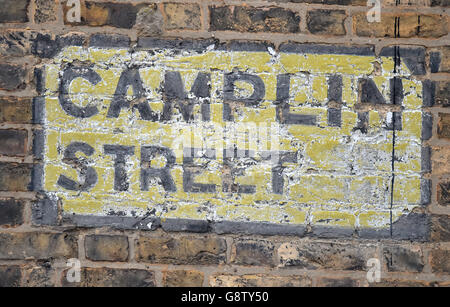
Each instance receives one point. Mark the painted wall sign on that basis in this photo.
(309, 135)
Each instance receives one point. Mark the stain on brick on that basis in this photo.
(444, 126)
(34, 245)
(108, 277)
(17, 110)
(253, 252)
(259, 280)
(182, 16)
(440, 261)
(326, 22)
(403, 259)
(12, 77)
(440, 231)
(319, 255)
(13, 11)
(106, 248)
(45, 11)
(250, 19)
(15, 177)
(181, 250)
(13, 142)
(182, 278)
(10, 276)
(11, 212)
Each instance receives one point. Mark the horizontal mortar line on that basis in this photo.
(23, 160)
(18, 195)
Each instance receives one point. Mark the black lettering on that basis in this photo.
(120, 172)
(175, 94)
(190, 170)
(87, 173)
(131, 77)
(70, 74)
(147, 154)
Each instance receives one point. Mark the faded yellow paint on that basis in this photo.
(342, 176)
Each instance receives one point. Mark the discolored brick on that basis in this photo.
(182, 278)
(181, 250)
(15, 177)
(11, 212)
(326, 22)
(14, 11)
(182, 16)
(17, 110)
(12, 77)
(403, 259)
(251, 19)
(259, 280)
(106, 248)
(444, 126)
(13, 142)
(10, 276)
(253, 252)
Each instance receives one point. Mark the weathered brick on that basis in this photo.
(337, 282)
(440, 159)
(403, 259)
(182, 16)
(253, 252)
(13, 11)
(16, 110)
(443, 193)
(16, 43)
(13, 142)
(106, 248)
(326, 22)
(259, 280)
(119, 15)
(47, 45)
(149, 21)
(442, 94)
(35, 245)
(440, 229)
(444, 126)
(315, 255)
(328, 2)
(440, 59)
(15, 177)
(399, 283)
(182, 278)
(11, 212)
(108, 277)
(440, 3)
(440, 261)
(181, 250)
(10, 276)
(39, 275)
(251, 19)
(411, 25)
(45, 11)
(12, 77)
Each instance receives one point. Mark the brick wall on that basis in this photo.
(34, 31)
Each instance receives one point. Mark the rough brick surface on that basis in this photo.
(259, 280)
(443, 193)
(441, 228)
(250, 19)
(440, 261)
(411, 25)
(16, 110)
(326, 22)
(13, 142)
(253, 252)
(183, 250)
(400, 259)
(10, 276)
(106, 248)
(13, 11)
(11, 212)
(444, 126)
(326, 255)
(15, 177)
(107, 277)
(182, 16)
(183, 278)
(45, 11)
(37, 246)
(12, 77)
